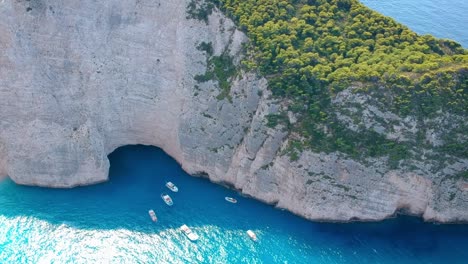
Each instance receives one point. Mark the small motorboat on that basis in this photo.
(167, 199)
(230, 199)
(252, 235)
(189, 233)
(172, 187)
(153, 215)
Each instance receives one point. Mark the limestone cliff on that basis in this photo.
(81, 78)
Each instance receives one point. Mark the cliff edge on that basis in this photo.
(80, 78)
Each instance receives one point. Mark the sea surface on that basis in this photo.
(109, 223)
(440, 18)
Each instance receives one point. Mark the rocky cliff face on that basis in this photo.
(81, 78)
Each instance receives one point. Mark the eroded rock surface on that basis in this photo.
(81, 78)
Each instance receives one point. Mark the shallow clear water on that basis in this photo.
(441, 18)
(109, 223)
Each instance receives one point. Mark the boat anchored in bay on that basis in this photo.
(189, 233)
(252, 235)
(172, 186)
(153, 215)
(230, 199)
(167, 199)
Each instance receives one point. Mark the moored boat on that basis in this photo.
(252, 235)
(230, 199)
(172, 186)
(167, 199)
(189, 233)
(152, 215)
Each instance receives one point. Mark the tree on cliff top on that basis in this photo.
(309, 50)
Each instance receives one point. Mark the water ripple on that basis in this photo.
(441, 18)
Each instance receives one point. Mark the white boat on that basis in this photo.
(189, 233)
(172, 187)
(252, 235)
(153, 215)
(167, 199)
(230, 199)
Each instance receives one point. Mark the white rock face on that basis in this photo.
(80, 78)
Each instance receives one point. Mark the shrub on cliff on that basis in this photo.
(309, 50)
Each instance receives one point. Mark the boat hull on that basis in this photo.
(153, 216)
(230, 199)
(189, 233)
(167, 199)
(252, 235)
(172, 187)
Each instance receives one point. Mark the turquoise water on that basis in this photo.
(440, 18)
(109, 223)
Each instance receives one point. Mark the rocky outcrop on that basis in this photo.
(81, 78)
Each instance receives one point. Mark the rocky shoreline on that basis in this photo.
(78, 81)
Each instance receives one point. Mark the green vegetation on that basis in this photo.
(311, 49)
(206, 47)
(219, 68)
(275, 119)
(452, 196)
(199, 9)
(462, 175)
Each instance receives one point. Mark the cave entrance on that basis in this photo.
(133, 164)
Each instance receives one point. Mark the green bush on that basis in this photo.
(311, 49)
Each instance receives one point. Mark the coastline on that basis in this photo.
(3, 177)
(394, 215)
(138, 172)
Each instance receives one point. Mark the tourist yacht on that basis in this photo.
(172, 187)
(189, 233)
(153, 215)
(230, 199)
(252, 235)
(167, 199)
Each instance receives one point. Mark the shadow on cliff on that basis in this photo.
(137, 179)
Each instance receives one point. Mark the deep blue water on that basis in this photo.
(440, 18)
(109, 223)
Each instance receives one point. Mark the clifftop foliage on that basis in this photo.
(311, 49)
